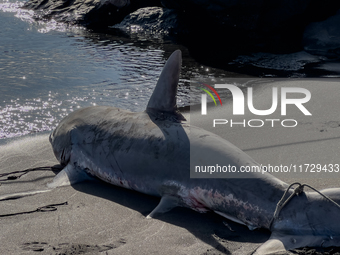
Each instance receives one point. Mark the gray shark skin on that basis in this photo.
(150, 152)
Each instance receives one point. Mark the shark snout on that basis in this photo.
(310, 219)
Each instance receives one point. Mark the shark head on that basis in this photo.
(308, 220)
(61, 144)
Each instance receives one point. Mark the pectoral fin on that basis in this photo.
(68, 176)
(272, 246)
(166, 204)
(281, 243)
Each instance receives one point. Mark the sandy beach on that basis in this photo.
(102, 219)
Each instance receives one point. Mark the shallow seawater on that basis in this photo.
(299, 64)
(48, 70)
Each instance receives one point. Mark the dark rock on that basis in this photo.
(265, 25)
(247, 15)
(151, 20)
(236, 13)
(268, 25)
(215, 32)
(323, 38)
(91, 13)
(188, 28)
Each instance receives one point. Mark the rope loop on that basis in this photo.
(17, 174)
(297, 191)
(50, 208)
(46, 208)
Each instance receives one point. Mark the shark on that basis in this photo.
(151, 152)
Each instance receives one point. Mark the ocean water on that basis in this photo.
(48, 70)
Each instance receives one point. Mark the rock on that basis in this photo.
(243, 14)
(273, 25)
(323, 38)
(151, 20)
(213, 31)
(270, 25)
(91, 13)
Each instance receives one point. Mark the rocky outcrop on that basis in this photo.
(152, 20)
(266, 20)
(90, 13)
(323, 38)
(255, 22)
(213, 30)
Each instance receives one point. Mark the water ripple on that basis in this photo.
(48, 70)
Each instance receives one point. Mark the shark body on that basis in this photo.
(150, 152)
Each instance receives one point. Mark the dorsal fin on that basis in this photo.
(164, 96)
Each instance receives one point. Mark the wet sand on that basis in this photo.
(102, 219)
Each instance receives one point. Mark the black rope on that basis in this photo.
(46, 208)
(297, 191)
(12, 176)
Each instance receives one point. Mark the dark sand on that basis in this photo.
(103, 219)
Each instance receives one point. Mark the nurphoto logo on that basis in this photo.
(239, 105)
